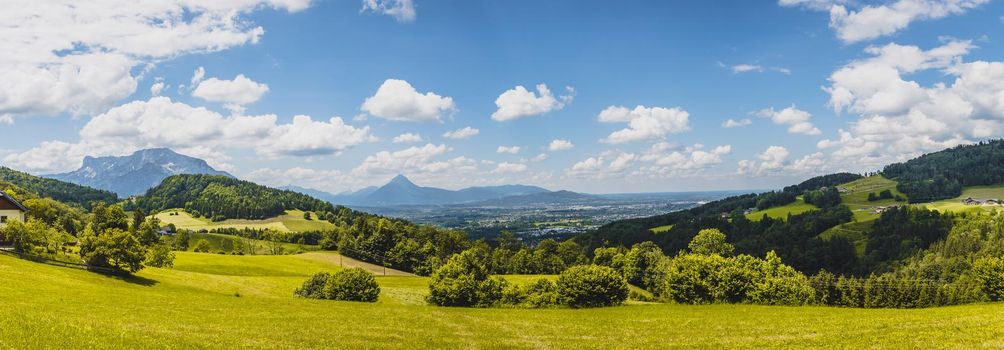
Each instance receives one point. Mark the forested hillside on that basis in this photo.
(61, 191)
(941, 175)
(220, 197)
(797, 239)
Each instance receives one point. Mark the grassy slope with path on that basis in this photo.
(292, 221)
(195, 305)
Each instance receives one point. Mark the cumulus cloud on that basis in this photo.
(796, 119)
(414, 160)
(508, 149)
(560, 145)
(518, 102)
(401, 10)
(157, 87)
(667, 160)
(899, 118)
(732, 123)
(462, 133)
(234, 94)
(408, 138)
(78, 57)
(397, 100)
(770, 162)
(644, 123)
(505, 167)
(160, 122)
(860, 23)
(540, 157)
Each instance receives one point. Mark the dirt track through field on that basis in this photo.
(344, 261)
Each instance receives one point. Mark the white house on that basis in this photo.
(10, 209)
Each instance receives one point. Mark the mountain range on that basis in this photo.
(400, 191)
(134, 174)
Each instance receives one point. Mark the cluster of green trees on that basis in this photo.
(823, 198)
(885, 194)
(902, 231)
(220, 197)
(110, 241)
(354, 284)
(466, 280)
(40, 187)
(941, 175)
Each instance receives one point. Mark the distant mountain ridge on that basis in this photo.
(401, 191)
(134, 174)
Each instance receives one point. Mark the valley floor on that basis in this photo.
(211, 301)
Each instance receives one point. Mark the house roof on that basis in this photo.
(4, 195)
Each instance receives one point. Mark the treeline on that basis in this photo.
(942, 175)
(65, 192)
(219, 197)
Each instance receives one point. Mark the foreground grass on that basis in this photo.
(193, 306)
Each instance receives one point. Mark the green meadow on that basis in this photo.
(291, 221)
(224, 301)
(781, 212)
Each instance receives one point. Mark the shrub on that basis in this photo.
(591, 286)
(643, 265)
(160, 255)
(202, 246)
(353, 284)
(704, 279)
(989, 273)
(537, 294)
(181, 240)
(464, 281)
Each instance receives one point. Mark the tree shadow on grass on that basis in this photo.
(126, 277)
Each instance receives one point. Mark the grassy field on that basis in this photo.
(292, 221)
(797, 207)
(212, 301)
(661, 229)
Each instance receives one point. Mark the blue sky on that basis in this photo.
(811, 87)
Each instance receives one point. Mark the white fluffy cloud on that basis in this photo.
(401, 10)
(508, 149)
(771, 161)
(160, 122)
(462, 133)
(518, 102)
(78, 57)
(644, 123)
(875, 20)
(397, 100)
(414, 161)
(732, 123)
(796, 119)
(560, 145)
(234, 94)
(667, 160)
(508, 168)
(408, 138)
(901, 118)
(157, 87)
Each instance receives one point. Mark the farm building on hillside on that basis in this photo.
(10, 209)
(979, 201)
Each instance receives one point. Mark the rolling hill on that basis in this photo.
(59, 190)
(134, 174)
